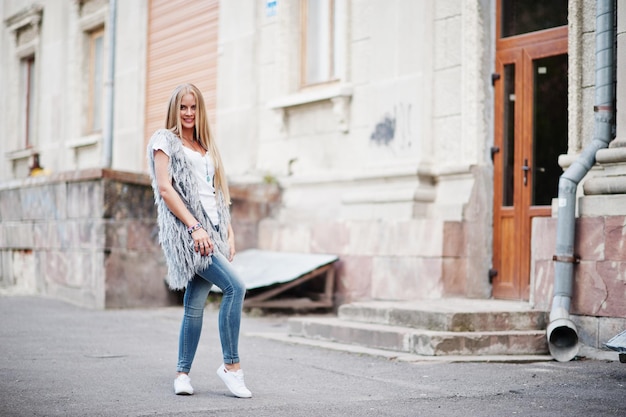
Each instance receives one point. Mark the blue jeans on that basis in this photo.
(222, 274)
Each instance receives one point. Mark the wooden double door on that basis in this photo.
(531, 124)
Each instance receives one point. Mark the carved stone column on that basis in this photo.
(611, 179)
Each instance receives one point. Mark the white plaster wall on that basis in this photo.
(391, 55)
(391, 59)
(130, 86)
(53, 90)
(448, 97)
(581, 52)
(424, 65)
(81, 151)
(389, 73)
(238, 83)
(463, 101)
(10, 116)
(5, 48)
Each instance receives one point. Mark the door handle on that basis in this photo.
(526, 169)
(494, 151)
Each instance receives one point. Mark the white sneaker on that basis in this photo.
(182, 385)
(234, 382)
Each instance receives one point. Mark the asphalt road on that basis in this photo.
(60, 360)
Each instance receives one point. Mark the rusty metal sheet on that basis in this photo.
(618, 342)
(261, 268)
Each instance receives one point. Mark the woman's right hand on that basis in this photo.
(202, 242)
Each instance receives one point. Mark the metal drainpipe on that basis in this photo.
(109, 89)
(561, 332)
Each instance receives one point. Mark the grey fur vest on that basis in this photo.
(182, 260)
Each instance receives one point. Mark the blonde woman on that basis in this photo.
(192, 198)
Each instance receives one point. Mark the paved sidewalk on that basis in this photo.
(60, 360)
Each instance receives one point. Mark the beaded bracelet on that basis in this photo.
(194, 228)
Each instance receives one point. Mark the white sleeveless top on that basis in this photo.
(204, 173)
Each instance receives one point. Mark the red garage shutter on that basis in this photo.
(182, 47)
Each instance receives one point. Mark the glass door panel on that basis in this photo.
(549, 126)
(525, 16)
(508, 132)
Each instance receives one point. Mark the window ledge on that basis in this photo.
(340, 96)
(20, 154)
(88, 140)
(93, 20)
(312, 96)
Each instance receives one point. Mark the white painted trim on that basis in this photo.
(325, 177)
(88, 140)
(20, 154)
(312, 96)
(93, 20)
(339, 95)
(402, 195)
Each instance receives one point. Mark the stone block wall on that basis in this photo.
(91, 237)
(388, 259)
(251, 203)
(599, 297)
(394, 258)
(134, 267)
(87, 237)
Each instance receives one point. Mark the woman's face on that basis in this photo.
(188, 111)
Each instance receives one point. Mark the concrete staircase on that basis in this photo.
(442, 328)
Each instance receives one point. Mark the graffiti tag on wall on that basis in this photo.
(385, 131)
(394, 128)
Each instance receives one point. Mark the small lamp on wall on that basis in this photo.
(36, 169)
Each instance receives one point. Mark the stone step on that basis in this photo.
(452, 315)
(420, 341)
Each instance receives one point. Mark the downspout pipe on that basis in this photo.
(561, 332)
(109, 90)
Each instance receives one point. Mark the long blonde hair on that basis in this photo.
(201, 131)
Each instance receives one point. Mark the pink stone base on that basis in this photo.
(599, 278)
(392, 260)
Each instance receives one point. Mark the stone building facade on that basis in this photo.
(377, 121)
(379, 164)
